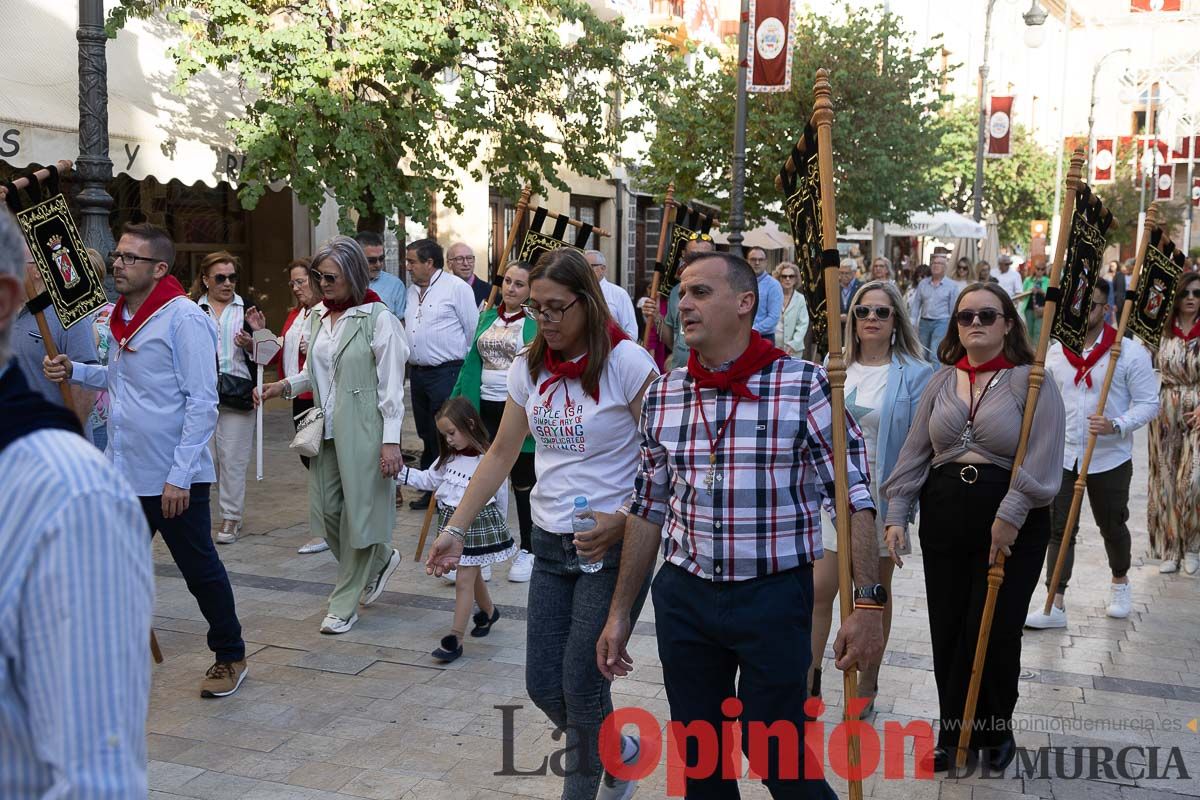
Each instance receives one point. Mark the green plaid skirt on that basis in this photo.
(487, 541)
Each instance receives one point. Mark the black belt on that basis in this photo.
(456, 364)
(970, 473)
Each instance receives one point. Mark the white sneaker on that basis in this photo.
(522, 567)
(371, 592)
(610, 787)
(452, 575)
(332, 624)
(1120, 601)
(1191, 563)
(1057, 618)
(1168, 566)
(313, 546)
(229, 532)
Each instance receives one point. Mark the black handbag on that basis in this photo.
(235, 392)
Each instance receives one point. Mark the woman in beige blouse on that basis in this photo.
(957, 461)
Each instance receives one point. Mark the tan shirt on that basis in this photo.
(935, 438)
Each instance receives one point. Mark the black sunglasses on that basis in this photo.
(221, 278)
(373, 260)
(882, 313)
(986, 316)
(325, 278)
(1195, 293)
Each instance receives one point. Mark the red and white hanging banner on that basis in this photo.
(999, 127)
(770, 46)
(1103, 160)
(1155, 5)
(1164, 185)
(1196, 192)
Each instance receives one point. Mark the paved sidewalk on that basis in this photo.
(370, 714)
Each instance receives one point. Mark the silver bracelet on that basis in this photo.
(286, 392)
(456, 532)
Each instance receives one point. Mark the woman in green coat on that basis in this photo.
(503, 331)
(1035, 302)
(355, 369)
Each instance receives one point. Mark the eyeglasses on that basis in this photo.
(220, 278)
(1193, 293)
(547, 314)
(882, 313)
(463, 260)
(129, 259)
(326, 278)
(375, 260)
(298, 282)
(986, 316)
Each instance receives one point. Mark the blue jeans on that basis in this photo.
(189, 538)
(754, 632)
(567, 611)
(430, 387)
(932, 331)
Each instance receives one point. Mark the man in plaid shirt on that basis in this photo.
(736, 460)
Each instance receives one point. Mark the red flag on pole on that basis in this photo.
(999, 128)
(1165, 182)
(770, 46)
(1102, 161)
(1154, 5)
(1196, 192)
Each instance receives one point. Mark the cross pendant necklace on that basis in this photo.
(713, 476)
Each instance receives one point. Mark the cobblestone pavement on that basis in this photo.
(370, 714)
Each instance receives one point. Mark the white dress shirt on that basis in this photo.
(296, 335)
(1132, 403)
(440, 320)
(1009, 281)
(390, 347)
(620, 306)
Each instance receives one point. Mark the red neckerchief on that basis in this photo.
(562, 371)
(1083, 366)
(1194, 333)
(996, 364)
(345, 305)
(508, 319)
(122, 331)
(757, 355)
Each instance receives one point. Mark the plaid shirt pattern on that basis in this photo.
(774, 462)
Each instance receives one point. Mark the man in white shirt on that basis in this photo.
(441, 316)
(1132, 402)
(461, 261)
(1009, 279)
(619, 303)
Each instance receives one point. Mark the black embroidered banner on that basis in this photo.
(690, 223)
(537, 242)
(75, 288)
(801, 183)
(1084, 258)
(1157, 284)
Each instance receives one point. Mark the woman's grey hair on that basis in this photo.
(350, 258)
(887, 262)
(12, 262)
(907, 342)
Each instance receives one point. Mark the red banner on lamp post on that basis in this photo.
(1103, 161)
(1155, 5)
(999, 127)
(770, 46)
(1196, 192)
(1164, 185)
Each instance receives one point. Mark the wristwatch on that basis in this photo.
(1116, 426)
(875, 594)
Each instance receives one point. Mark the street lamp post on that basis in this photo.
(737, 205)
(1092, 106)
(1062, 123)
(93, 165)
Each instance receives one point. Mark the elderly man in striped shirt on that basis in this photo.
(736, 460)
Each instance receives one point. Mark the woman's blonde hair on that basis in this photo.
(906, 342)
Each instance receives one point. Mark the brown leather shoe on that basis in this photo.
(223, 678)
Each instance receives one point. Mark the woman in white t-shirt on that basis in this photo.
(578, 391)
(885, 374)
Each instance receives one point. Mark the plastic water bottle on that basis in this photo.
(582, 523)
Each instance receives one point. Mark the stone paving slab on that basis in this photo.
(370, 714)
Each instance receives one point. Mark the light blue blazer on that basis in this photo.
(905, 382)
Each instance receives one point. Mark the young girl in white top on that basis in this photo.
(462, 441)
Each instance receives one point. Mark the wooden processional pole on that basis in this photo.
(659, 266)
(1152, 221)
(1036, 376)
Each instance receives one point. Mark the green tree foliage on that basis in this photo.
(886, 98)
(1017, 189)
(381, 102)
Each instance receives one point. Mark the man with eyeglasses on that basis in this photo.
(620, 306)
(441, 316)
(162, 387)
(29, 348)
(770, 295)
(390, 289)
(462, 263)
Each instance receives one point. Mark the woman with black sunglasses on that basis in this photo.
(1173, 507)
(886, 372)
(957, 461)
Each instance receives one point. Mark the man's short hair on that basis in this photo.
(599, 256)
(752, 248)
(428, 250)
(738, 272)
(368, 239)
(161, 246)
(1103, 285)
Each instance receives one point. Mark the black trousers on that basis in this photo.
(299, 406)
(956, 534)
(522, 476)
(1108, 495)
(431, 386)
(189, 538)
(754, 631)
